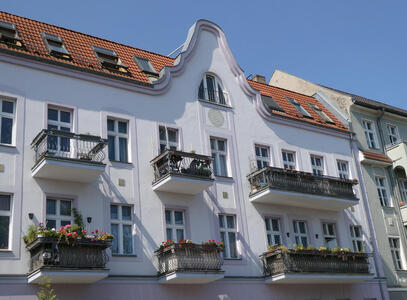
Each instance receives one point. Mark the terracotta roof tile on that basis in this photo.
(280, 95)
(376, 156)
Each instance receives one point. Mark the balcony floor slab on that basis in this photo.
(67, 276)
(190, 277)
(317, 278)
(182, 184)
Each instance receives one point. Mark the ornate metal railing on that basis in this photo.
(188, 258)
(172, 162)
(68, 145)
(296, 261)
(291, 180)
(49, 253)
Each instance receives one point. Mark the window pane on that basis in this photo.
(52, 114)
(230, 220)
(180, 234)
(4, 231)
(304, 241)
(277, 240)
(169, 234)
(63, 223)
(122, 127)
(65, 116)
(222, 238)
(6, 130)
(115, 242)
(126, 212)
(110, 125)
(162, 134)
(8, 107)
(221, 145)
(232, 244)
(222, 165)
(221, 224)
(168, 217)
(268, 224)
(210, 83)
(111, 148)
(302, 227)
(5, 202)
(127, 240)
(123, 149)
(114, 214)
(51, 224)
(65, 208)
(172, 135)
(51, 207)
(201, 91)
(276, 226)
(179, 217)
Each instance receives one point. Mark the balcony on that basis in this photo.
(403, 211)
(398, 154)
(314, 267)
(189, 264)
(82, 262)
(62, 155)
(289, 187)
(182, 172)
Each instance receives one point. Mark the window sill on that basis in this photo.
(120, 163)
(214, 103)
(224, 179)
(8, 146)
(124, 255)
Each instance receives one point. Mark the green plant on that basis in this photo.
(46, 291)
(31, 234)
(310, 247)
(77, 218)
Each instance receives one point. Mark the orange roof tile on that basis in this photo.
(79, 46)
(279, 95)
(377, 156)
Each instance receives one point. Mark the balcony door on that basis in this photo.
(59, 119)
(300, 233)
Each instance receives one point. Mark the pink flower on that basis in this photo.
(96, 231)
(69, 234)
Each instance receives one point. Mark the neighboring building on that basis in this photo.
(127, 136)
(381, 131)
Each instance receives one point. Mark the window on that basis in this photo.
(59, 213)
(168, 138)
(271, 104)
(121, 225)
(357, 240)
(55, 45)
(382, 191)
(5, 220)
(299, 108)
(343, 169)
(321, 113)
(145, 66)
(329, 231)
(393, 133)
(395, 252)
(273, 229)
(109, 59)
(211, 90)
(370, 134)
(7, 113)
(262, 156)
(117, 137)
(288, 159)
(175, 225)
(219, 152)
(59, 119)
(317, 163)
(403, 185)
(228, 235)
(9, 34)
(300, 233)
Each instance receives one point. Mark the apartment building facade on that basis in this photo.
(380, 131)
(152, 149)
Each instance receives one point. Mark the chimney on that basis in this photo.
(259, 78)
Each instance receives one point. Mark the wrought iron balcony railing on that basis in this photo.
(188, 258)
(308, 261)
(51, 254)
(172, 162)
(68, 146)
(301, 182)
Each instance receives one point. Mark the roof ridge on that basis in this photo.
(280, 88)
(86, 34)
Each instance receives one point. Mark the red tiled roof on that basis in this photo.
(79, 46)
(279, 95)
(377, 156)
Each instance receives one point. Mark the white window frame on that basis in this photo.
(172, 226)
(396, 253)
(382, 190)
(216, 154)
(327, 235)
(271, 233)
(167, 142)
(298, 235)
(394, 137)
(286, 163)
(403, 189)
(216, 90)
(261, 160)
(357, 240)
(58, 218)
(120, 222)
(343, 174)
(9, 214)
(226, 231)
(317, 170)
(117, 135)
(8, 116)
(370, 134)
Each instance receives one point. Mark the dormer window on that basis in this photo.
(55, 45)
(271, 104)
(299, 108)
(321, 113)
(9, 34)
(145, 66)
(109, 59)
(211, 90)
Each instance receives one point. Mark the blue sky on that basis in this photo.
(358, 46)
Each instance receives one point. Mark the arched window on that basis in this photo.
(211, 90)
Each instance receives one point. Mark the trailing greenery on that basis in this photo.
(77, 218)
(46, 291)
(310, 248)
(31, 234)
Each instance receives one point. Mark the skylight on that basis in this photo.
(55, 45)
(145, 66)
(109, 59)
(321, 113)
(271, 104)
(9, 34)
(299, 108)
